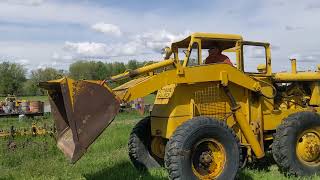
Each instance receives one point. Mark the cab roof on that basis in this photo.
(208, 38)
(216, 36)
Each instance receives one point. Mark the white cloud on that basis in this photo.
(306, 58)
(23, 61)
(156, 40)
(293, 28)
(144, 43)
(13, 59)
(86, 48)
(107, 28)
(55, 55)
(78, 13)
(31, 55)
(129, 48)
(25, 2)
(62, 58)
(100, 50)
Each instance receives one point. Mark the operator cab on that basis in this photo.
(249, 57)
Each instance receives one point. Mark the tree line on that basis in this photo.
(15, 80)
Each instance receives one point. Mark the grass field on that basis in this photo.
(107, 158)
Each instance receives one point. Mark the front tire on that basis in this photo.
(203, 148)
(140, 146)
(296, 146)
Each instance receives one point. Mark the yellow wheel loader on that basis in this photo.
(208, 120)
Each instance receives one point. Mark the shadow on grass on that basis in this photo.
(125, 170)
(244, 176)
(263, 165)
(122, 171)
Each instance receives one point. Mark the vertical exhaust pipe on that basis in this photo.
(293, 66)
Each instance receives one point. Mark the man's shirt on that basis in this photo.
(218, 59)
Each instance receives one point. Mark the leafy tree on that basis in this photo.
(117, 68)
(88, 70)
(80, 70)
(95, 70)
(133, 64)
(100, 71)
(40, 75)
(12, 77)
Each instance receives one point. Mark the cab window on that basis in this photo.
(254, 59)
(193, 59)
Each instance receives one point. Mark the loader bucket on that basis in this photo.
(81, 111)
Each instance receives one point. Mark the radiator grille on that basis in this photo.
(209, 102)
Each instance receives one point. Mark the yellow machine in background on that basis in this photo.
(12, 106)
(207, 119)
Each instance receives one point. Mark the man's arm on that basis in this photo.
(207, 60)
(227, 60)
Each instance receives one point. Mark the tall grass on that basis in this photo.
(107, 158)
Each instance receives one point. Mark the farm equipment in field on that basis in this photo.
(12, 106)
(207, 119)
(34, 130)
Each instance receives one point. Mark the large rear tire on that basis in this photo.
(140, 146)
(203, 148)
(296, 146)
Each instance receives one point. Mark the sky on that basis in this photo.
(56, 33)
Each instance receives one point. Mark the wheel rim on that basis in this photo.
(308, 147)
(208, 159)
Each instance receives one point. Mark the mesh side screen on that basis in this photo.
(209, 102)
